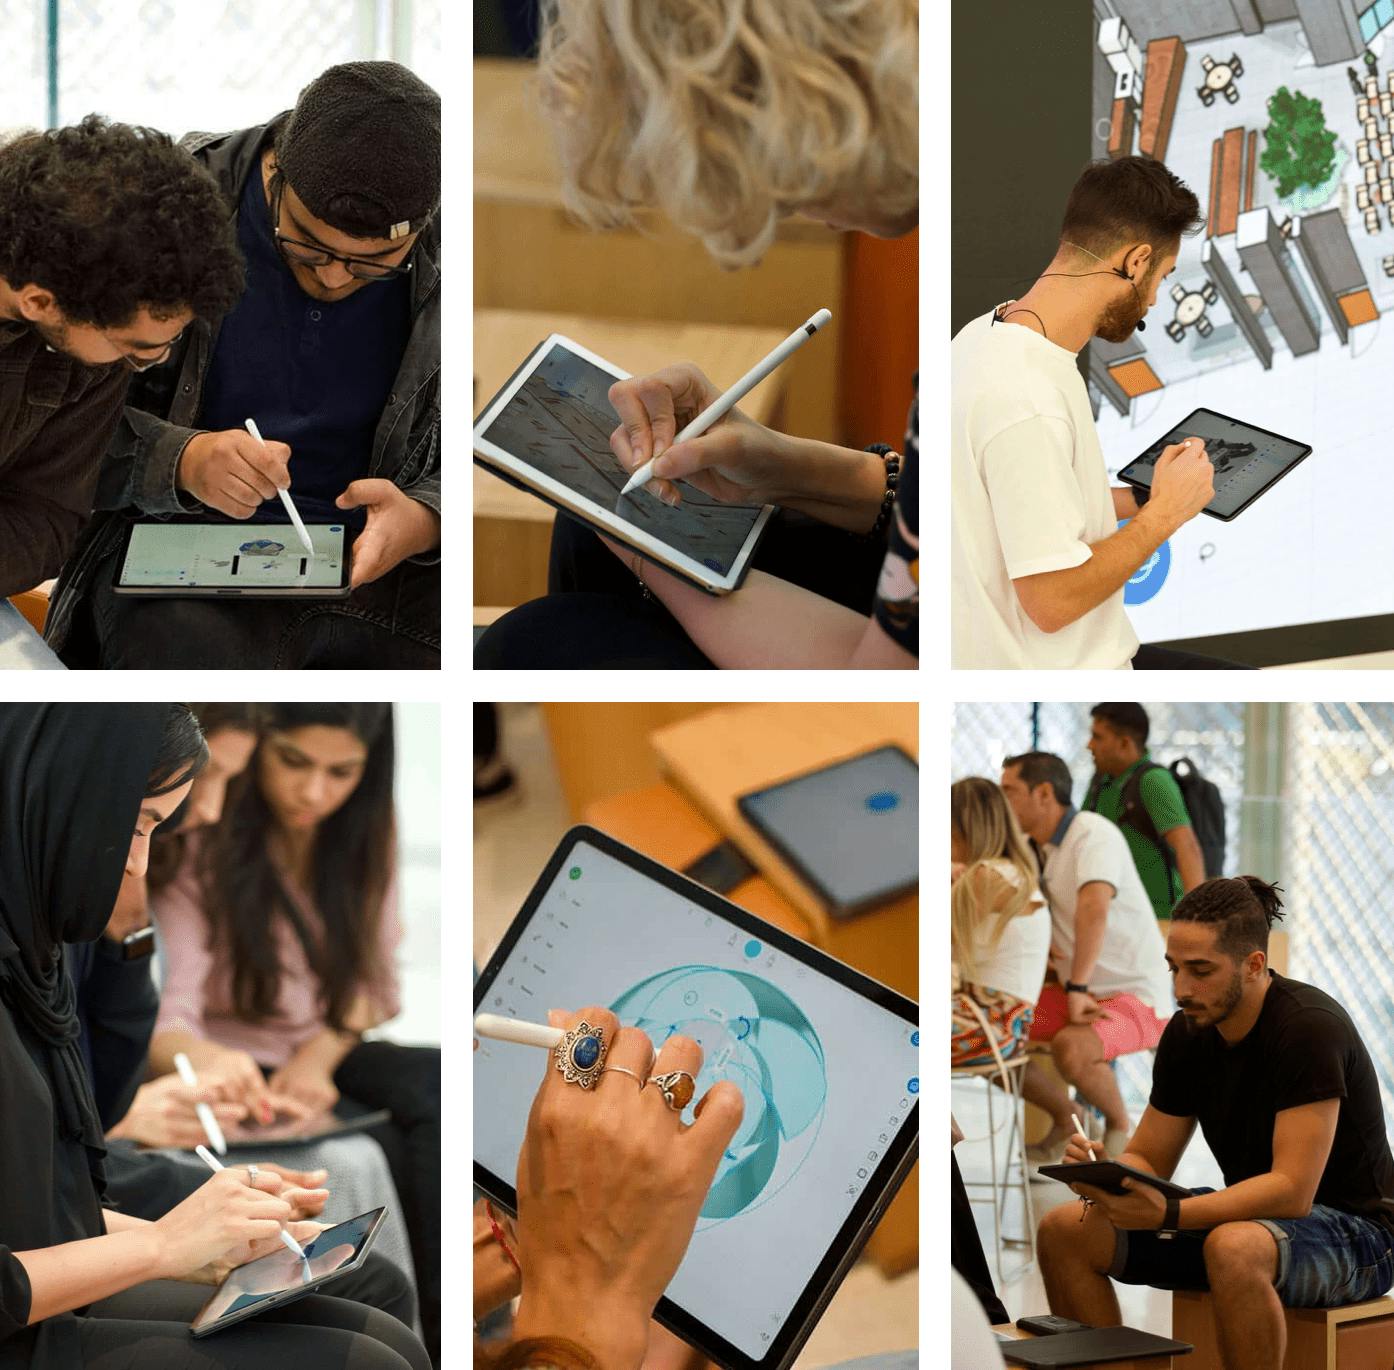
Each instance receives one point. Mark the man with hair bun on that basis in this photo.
(1288, 1102)
(334, 351)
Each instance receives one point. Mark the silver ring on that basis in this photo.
(580, 1055)
(252, 1172)
(622, 1070)
(677, 1088)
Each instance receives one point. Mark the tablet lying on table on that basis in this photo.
(1094, 1346)
(548, 431)
(262, 560)
(286, 1131)
(1109, 1176)
(827, 1059)
(1248, 461)
(281, 1277)
(851, 831)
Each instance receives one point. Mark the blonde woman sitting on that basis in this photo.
(1001, 926)
(727, 116)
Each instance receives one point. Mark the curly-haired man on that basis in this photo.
(112, 240)
(334, 351)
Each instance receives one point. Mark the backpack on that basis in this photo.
(1203, 801)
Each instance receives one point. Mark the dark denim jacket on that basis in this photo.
(162, 405)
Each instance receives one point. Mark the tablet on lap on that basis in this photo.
(1109, 1176)
(258, 560)
(1248, 460)
(826, 1058)
(281, 1277)
(548, 432)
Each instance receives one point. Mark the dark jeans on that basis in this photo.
(1150, 658)
(595, 614)
(394, 623)
(147, 1328)
(406, 1081)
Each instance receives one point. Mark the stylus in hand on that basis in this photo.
(732, 397)
(1079, 1127)
(286, 499)
(211, 1130)
(213, 1163)
(516, 1030)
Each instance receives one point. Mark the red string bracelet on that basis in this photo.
(498, 1236)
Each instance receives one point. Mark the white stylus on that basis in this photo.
(213, 1163)
(516, 1030)
(285, 498)
(735, 394)
(211, 1130)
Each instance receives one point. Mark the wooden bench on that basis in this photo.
(1359, 1336)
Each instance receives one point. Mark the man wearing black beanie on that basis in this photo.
(334, 350)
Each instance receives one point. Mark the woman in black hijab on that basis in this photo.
(82, 788)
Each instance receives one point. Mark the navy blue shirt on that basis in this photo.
(313, 374)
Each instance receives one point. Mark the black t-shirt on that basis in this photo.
(1303, 1049)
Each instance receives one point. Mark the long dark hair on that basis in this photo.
(354, 853)
(182, 754)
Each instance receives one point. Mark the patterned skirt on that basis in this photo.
(1008, 1021)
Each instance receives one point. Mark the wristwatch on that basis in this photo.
(1072, 988)
(1171, 1219)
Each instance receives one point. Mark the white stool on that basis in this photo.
(1008, 1072)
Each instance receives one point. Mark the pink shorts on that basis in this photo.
(1130, 1025)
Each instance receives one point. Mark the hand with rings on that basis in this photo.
(611, 1180)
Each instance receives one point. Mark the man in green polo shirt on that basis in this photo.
(1118, 743)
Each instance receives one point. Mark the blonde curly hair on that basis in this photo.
(729, 114)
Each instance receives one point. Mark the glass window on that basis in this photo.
(1368, 25)
(1384, 12)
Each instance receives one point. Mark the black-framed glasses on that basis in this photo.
(313, 254)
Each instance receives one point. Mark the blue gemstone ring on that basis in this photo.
(580, 1055)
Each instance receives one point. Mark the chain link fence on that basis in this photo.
(1316, 812)
(214, 66)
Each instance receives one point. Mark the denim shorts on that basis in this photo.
(1326, 1259)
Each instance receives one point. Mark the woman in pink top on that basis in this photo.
(280, 932)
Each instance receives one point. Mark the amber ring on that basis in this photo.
(677, 1088)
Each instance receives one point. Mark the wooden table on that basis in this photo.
(512, 529)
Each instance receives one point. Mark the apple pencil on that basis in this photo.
(735, 394)
(515, 1030)
(286, 499)
(1079, 1127)
(211, 1130)
(213, 1163)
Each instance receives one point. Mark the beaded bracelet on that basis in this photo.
(498, 1237)
(891, 458)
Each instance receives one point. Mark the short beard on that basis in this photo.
(1228, 1004)
(1121, 319)
(54, 335)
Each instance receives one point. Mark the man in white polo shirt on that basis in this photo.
(1039, 559)
(1113, 995)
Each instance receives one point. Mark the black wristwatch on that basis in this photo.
(1072, 988)
(1171, 1219)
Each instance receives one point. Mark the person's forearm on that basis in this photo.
(1055, 599)
(68, 1276)
(835, 485)
(1124, 502)
(325, 1050)
(1262, 1196)
(767, 623)
(1091, 922)
(1190, 860)
(617, 1337)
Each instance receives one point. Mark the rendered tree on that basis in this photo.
(1299, 150)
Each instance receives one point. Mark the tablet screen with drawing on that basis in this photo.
(827, 1061)
(231, 559)
(549, 430)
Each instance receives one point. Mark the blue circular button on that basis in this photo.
(752, 949)
(914, 1085)
(914, 1039)
(883, 801)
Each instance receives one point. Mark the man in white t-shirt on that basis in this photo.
(1039, 559)
(1113, 994)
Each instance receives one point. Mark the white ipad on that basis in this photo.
(548, 431)
(827, 1059)
(264, 560)
(281, 1277)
